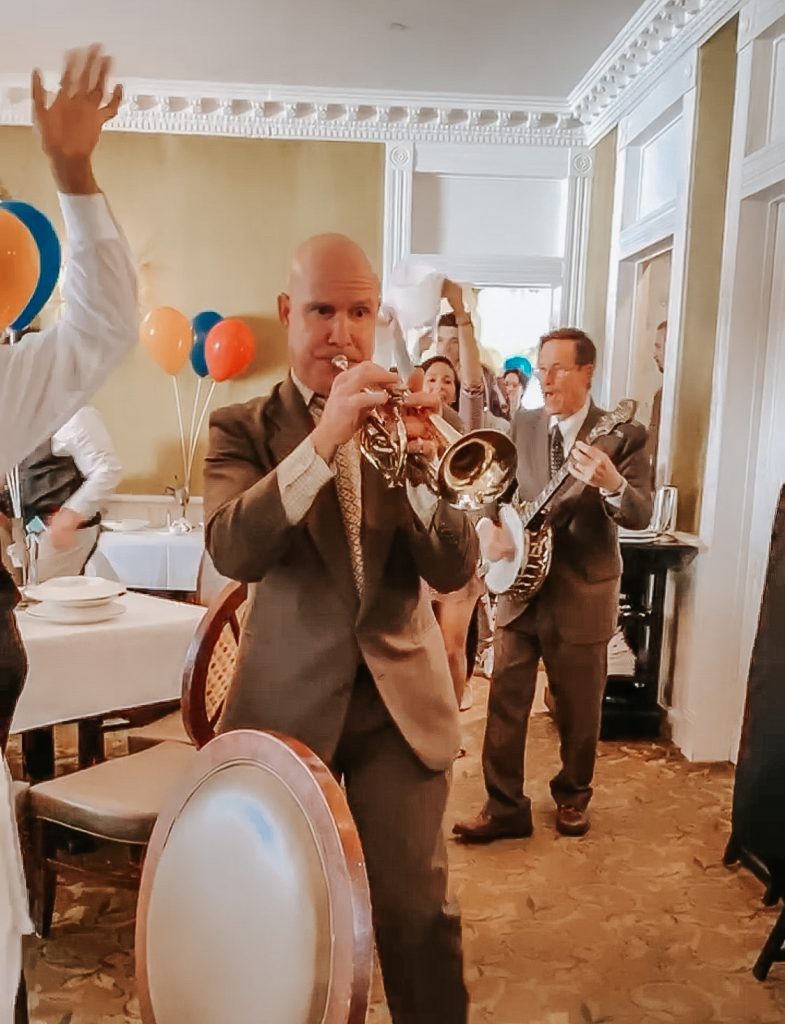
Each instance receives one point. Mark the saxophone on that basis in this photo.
(537, 551)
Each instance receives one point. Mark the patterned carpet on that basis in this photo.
(637, 923)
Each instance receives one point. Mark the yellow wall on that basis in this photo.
(211, 223)
(711, 144)
(598, 241)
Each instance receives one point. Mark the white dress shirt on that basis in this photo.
(569, 428)
(303, 473)
(42, 383)
(47, 378)
(85, 438)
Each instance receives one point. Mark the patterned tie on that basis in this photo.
(348, 480)
(556, 450)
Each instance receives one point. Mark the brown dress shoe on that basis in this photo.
(485, 828)
(571, 821)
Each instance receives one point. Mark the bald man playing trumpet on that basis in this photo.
(340, 647)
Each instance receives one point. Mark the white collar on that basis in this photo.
(306, 392)
(570, 426)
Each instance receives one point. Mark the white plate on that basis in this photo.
(638, 535)
(68, 615)
(84, 590)
(125, 525)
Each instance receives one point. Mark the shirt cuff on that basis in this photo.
(301, 475)
(88, 218)
(423, 502)
(86, 509)
(614, 497)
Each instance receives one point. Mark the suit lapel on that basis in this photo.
(323, 521)
(533, 446)
(592, 416)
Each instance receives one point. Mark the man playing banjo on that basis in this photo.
(573, 494)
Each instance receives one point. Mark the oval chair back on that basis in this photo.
(254, 901)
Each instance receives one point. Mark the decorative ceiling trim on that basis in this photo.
(657, 36)
(652, 41)
(192, 108)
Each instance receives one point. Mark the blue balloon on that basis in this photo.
(202, 324)
(40, 227)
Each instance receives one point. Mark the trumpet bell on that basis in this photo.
(476, 470)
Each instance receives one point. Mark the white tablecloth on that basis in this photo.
(150, 559)
(129, 661)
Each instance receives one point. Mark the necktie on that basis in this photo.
(348, 482)
(556, 450)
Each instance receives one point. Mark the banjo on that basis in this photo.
(528, 523)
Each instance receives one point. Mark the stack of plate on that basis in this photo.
(75, 599)
(125, 525)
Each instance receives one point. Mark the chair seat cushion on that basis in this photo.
(169, 729)
(118, 799)
(21, 792)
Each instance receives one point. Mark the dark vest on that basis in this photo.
(9, 595)
(47, 481)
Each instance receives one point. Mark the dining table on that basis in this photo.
(89, 669)
(150, 558)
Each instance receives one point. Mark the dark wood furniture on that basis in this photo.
(631, 706)
(758, 817)
(268, 803)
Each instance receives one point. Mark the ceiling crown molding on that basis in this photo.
(653, 40)
(203, 108)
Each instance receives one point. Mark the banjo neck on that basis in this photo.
(623, 413)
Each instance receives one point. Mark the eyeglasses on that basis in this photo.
(557, 371)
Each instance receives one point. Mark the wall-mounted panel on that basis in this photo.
(483, 216)
(659, 180)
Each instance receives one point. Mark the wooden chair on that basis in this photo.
(119, 800)
(285, 936)
(208, 670)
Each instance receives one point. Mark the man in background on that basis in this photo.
(570, 620)
(660, 340)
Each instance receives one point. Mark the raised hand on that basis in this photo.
(417, 407)
(71, 126)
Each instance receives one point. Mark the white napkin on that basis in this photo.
(14, 917)
(414, 291)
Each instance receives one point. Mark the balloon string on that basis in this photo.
(199, 427)
(193, 412)
(182, 432)
(12, 478)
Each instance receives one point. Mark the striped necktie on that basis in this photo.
(348, 482)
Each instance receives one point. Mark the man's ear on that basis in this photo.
(284, 308)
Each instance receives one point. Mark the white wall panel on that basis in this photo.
(486, 216)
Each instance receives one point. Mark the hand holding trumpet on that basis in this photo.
(366, 386)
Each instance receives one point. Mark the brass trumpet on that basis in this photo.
(468, 471)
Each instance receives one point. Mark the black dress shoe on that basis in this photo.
(571, 821)
(485, 828)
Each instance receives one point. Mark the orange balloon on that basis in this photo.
(229, 348)
(166, 334)
(19, 267)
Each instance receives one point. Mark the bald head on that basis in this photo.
(330, 307)
(330, 255)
